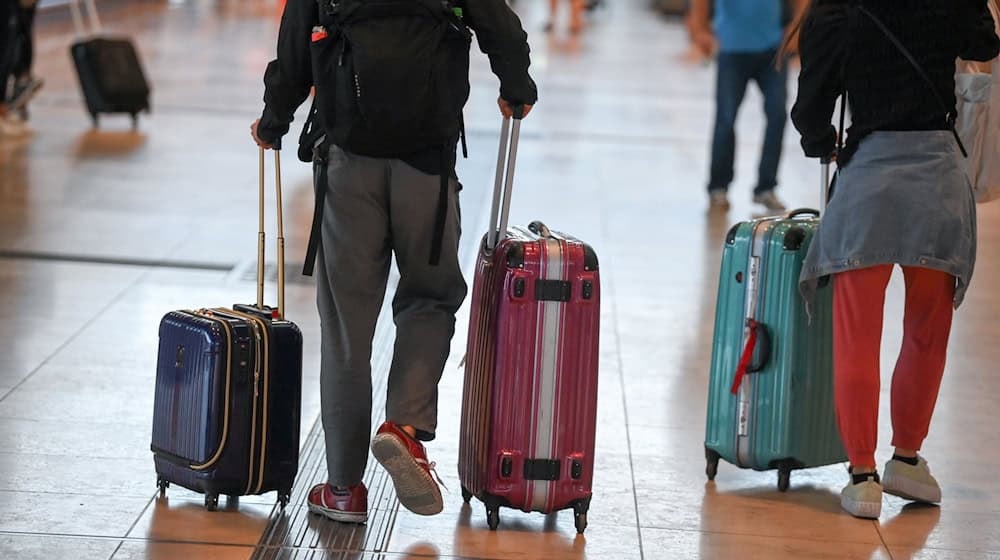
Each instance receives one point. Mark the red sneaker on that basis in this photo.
(405, 459)
(348, 505)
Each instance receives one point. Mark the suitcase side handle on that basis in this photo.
(261, 237)
(504, 182)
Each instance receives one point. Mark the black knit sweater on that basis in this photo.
(842, 48)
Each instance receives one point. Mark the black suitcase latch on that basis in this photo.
(542, 469)
(553, 290)
(576, 471)
(588, 289)
(506, 467)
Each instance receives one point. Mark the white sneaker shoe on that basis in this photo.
(718, 199)
(770, 201)
(863, 499)
(911, 482)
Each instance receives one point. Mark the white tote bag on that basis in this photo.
(978, 121)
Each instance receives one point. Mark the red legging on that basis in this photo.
(858, 304)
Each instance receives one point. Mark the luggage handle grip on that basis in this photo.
(504, 181)
(261, 236)
(540, 229)
(802, 212)
(77, 15)
(758, 335)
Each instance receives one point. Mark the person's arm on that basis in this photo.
(798, 9)
(699, 26)
(981, 41)
(503, 40)
(822, 51)
(288, 78)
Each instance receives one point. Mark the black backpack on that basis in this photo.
(391, 76)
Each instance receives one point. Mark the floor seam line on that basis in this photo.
(881, 537)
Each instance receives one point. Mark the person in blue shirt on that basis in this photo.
(745, 36)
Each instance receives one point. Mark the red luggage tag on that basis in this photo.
(319, 33)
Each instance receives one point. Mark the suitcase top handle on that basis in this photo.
(281, 237)
(509, 136)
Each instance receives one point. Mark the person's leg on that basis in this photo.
(553, 12)
(858, 303)
(773, 83)
(8, 26)
(424, 309)
(352, 270)
(576, 16)
(25, 40)
(730, 87)
(917, 379)
(426, 300)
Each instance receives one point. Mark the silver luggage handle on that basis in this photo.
(509, 136)
(77, 13)
(261, 236)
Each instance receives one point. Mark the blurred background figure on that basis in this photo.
(16, 50)
(24, 85)
(744, 37)
(577, 8)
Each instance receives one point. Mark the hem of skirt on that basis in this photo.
(811, 275)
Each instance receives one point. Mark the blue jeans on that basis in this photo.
(735, 70)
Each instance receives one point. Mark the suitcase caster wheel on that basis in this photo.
(581, 522)
(135, 122)
(211, 502)
(711, 463)
(232, 501)
(466, 495)
(94, 120)
(784, 478)
(493, 518)
(162, 485)
(283, 499)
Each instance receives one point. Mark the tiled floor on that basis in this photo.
(101, 232)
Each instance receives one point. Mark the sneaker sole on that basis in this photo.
(415, 488)
(912, 490)
(336, 515)
(864, 510)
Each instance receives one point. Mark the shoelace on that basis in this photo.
(431, 468)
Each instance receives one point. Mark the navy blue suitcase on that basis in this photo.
(228, 397)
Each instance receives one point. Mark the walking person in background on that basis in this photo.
(387, 175)
(901, 198)
(744, 37)
(25, 86)
(576, 9)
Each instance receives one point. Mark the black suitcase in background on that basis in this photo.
(227, 406)
(111, 77)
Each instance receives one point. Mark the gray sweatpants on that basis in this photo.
(376, 207)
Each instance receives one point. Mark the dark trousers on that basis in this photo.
(735, 71)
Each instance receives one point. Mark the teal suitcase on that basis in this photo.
(770, 403)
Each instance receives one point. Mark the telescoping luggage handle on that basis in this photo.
(77, 13)
(281, 238)
(509, 136)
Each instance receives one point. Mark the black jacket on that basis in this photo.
(843, 49)
(288, 78)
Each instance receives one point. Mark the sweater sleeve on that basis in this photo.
(822, 47)
(288, 77)
(502, 38)
(981, 41)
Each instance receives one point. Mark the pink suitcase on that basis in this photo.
(530, 400)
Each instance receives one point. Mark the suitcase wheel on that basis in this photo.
(211, 502)
(493, 517)
(135, 122)
(784, 477)
(94, 119)
(711, 463)
(580, 515)
(283, 499)
(232, 501)
(162, 485)
(466, 495)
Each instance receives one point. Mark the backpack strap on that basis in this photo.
(949, 113)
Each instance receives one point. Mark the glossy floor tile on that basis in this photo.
(103, 231)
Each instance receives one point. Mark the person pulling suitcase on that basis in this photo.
(387, 178)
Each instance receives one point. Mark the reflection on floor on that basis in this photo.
(103, 231)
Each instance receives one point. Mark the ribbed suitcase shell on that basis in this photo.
(530, 395)
(222, 425)
(786, 419)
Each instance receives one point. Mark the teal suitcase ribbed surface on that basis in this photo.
(780, 414)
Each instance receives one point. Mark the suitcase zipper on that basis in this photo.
(205, 314)
(744, 412)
